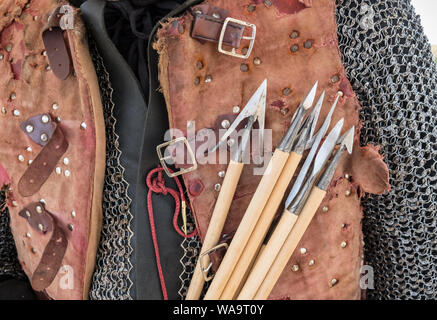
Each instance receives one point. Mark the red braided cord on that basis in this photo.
(157, 185)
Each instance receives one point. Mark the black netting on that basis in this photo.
(9, 265)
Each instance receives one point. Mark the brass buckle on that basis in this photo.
(233, 51)
(163, 158)
(204, 269)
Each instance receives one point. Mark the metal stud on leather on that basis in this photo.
(43, 165)
(39, 128)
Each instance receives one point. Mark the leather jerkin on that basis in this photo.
(61, 178)
(296, 44)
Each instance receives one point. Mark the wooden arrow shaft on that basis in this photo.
(268, 256)
(247, 224)
(215, 227)
(258, 235)
(271, 277)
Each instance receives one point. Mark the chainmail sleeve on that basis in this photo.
(111, 279)
(114, 276)
(390, 65)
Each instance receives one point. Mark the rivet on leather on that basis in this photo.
(39, 128)
(37, 217)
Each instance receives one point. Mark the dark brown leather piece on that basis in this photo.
(51, 260)
(40, 169)
(54, 18)
(209, 10)
(206, 27)
(39, 128)
(38, 217)
(57, 52)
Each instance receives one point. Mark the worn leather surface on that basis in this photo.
(297, 44)
(31, 88)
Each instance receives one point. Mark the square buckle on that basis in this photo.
(163, 158)
(233, 51)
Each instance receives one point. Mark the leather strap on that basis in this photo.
(208, 24)
(40, 169)
(39, 128)
(51, 259)
(57, 52)
(54, 18)
(56, 47)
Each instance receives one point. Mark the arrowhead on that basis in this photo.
(349, 139)
(307, 102)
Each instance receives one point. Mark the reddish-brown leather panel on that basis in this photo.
(72, 192)
(296, 45)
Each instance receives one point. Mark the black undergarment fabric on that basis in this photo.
(15, 289)
(140, 127)
(129, 24)
(13, 283)
(76, 3)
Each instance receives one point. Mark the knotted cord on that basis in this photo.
(157, 185)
